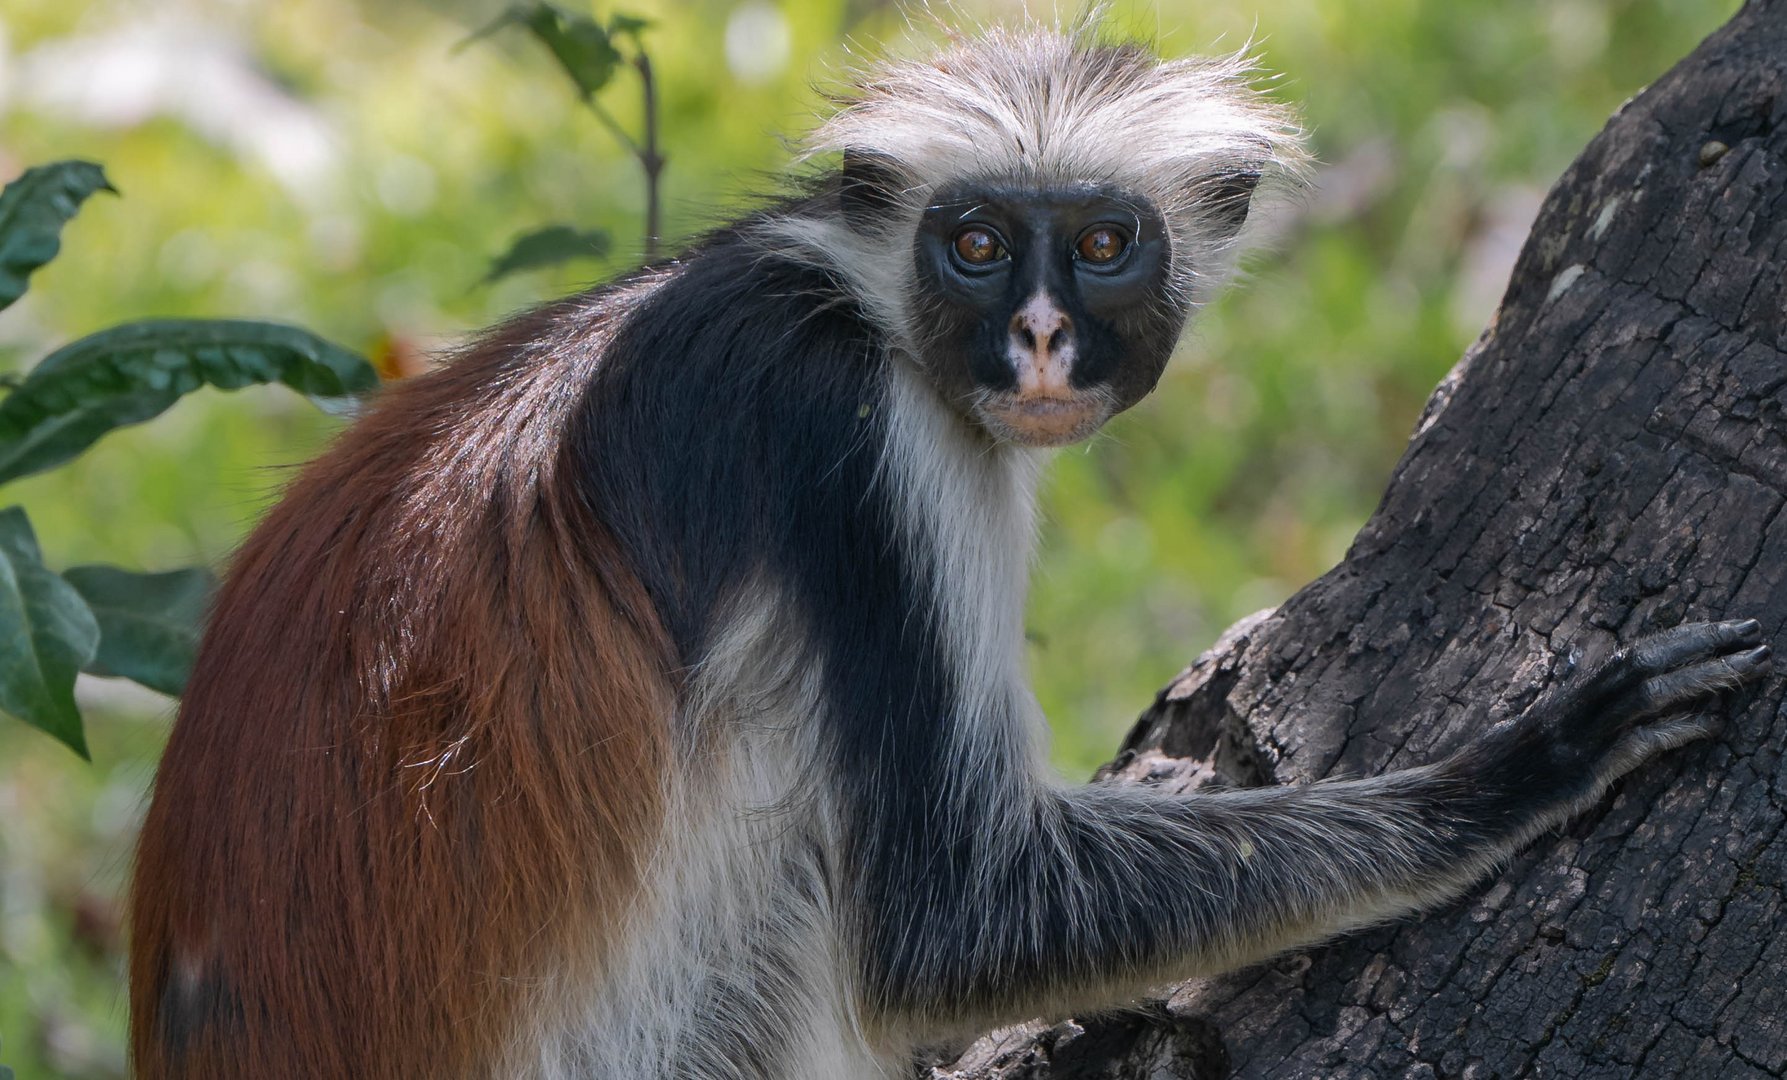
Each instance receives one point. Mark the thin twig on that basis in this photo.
(649, 158)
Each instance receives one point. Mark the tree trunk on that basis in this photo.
(1608, 459)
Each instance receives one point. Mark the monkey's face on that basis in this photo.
(1043, 313)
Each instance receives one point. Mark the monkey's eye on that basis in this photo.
(1101, 245)
(977, 246)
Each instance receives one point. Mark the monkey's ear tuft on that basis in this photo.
(870, 187)
(1227, 197)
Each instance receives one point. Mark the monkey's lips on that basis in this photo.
(1044, 420)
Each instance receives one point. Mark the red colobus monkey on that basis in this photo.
(642, 694)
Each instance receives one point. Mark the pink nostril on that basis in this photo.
(1051, 326)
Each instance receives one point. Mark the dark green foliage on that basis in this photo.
(548, 246)
(584, 50)
(46, 636)
(149, 623)
(33, 210)
(133, 372)
(103, 619)
(588, 53)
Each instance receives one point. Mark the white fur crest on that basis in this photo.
(1036, 105)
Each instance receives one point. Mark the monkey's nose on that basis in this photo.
(1041, 349)
(1040, 332)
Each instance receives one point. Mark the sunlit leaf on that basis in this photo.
(149, 624)
(583, 49)
(549, 246)
(33, 210)
(47, 634)
(133, 372)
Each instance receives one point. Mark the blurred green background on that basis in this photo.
(338, 164)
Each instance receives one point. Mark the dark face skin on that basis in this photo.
(1043, 313)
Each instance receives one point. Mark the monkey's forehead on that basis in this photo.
(1054, 106)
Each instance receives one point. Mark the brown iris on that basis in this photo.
(1101, 244)
(978, 247)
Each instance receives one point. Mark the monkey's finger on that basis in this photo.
(1652, 739)
(1662, 653)
(1694, 684)
(1695, 641)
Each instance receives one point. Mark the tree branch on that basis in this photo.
(1610, 457)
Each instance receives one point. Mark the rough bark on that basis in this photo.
(1609, 458)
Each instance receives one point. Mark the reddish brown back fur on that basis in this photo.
(419, 754)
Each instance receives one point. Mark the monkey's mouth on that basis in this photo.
(1043, 420)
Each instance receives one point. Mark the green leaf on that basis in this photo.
(631, 25)
(133, 372)
(583, 49)
(549, 246)
(149, 624)
(47, 634)
(33, 210)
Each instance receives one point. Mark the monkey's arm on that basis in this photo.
(1101, 888)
